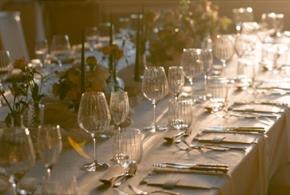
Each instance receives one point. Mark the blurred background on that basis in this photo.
(45, 18)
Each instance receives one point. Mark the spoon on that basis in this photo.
(129, 173)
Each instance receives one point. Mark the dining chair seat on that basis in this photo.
(12, 36)
(280, 182)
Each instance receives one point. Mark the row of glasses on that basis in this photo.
(18, 153)
(60, 49)
(95, 115)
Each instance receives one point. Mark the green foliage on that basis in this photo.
(24, 90)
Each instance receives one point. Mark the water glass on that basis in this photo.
(49, 145)
(180, 113)
(175, 79)
(245, 73)
(128, 147)
(217, 91)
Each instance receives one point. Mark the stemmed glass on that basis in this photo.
(93, 117)
(49, 145)
(154, 88)
(223, 48)
(92, 37)
(187, 60)
(60, 48)
(193, 67)
(207, 60)
(119, 107)
(16, 156)
(175, 79)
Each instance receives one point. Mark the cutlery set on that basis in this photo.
(189, 169)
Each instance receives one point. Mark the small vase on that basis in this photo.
(113, 82)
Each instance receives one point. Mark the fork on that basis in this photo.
(138, 191)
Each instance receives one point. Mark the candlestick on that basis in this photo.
(83, 68)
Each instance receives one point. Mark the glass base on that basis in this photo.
(155, 128)
(94, 166)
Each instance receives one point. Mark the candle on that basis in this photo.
(83, 68)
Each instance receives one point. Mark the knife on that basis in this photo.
(242, 129)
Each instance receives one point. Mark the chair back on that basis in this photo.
(12, 36)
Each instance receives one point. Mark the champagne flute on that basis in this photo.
(16, 156)
(49, 145)
(93, 117)
(154, 88)
(60, 48)
(175, 79)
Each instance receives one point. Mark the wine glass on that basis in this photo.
(60, 48)
(223, 48)
(175, 79)
(49, 145)
(154, 88)
(92, 37)
(207, 60)
(16, 156)
(93, 117)
(187, 60)
(119, 107)
(193, 67)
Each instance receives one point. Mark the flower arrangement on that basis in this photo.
(68, 87)
(187, 26)
(24, 89)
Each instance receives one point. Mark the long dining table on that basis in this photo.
(249, 169)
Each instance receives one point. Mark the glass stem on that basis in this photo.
(154, 116)
(48, 171)
(95, 148)
(13, 185)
